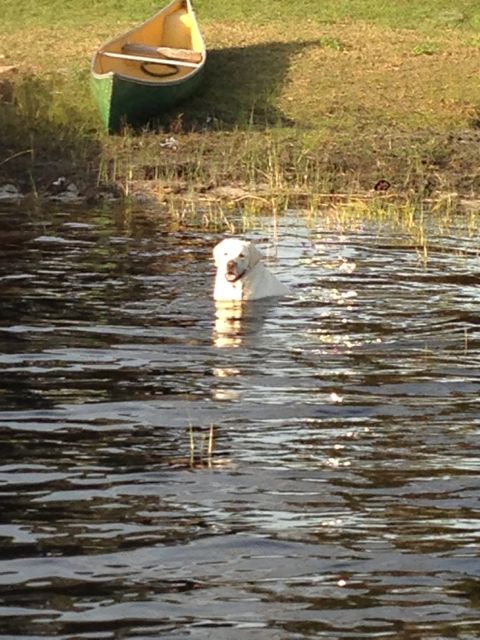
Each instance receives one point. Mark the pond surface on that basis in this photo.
(303, 469)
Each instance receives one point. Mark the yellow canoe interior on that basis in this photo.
(166, 48)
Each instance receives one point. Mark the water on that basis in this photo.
(304, 469)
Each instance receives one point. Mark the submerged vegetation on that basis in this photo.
(300, 102)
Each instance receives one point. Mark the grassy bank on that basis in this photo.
(299, 100)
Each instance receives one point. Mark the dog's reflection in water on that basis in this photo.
(238, 323)
(228, 324)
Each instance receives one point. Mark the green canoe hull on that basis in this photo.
(141, 74)
(123, 101)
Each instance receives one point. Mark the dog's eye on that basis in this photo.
(242, 255)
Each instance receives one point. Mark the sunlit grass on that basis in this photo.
(408, 14)
(348, 93)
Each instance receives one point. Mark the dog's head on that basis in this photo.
(234, 258)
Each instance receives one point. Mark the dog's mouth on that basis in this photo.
(232, 276)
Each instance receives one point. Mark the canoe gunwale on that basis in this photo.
(148, 83)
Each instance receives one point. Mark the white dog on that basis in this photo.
(240, 273)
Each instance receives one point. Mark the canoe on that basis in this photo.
(145, 72)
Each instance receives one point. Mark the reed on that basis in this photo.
(205, 446)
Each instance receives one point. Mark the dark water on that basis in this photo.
(308, 469)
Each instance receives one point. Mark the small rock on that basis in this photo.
(59, 184)
(170, 143)
(70, 193)
(9, 192)
(230, 192)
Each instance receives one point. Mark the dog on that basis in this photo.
(240, 273)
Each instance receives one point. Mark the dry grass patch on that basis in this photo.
(379, 78)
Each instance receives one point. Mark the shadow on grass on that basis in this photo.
(241, 86)
(43, 133)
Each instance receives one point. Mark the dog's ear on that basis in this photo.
(254, 255)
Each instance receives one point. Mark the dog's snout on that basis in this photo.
(231, 264)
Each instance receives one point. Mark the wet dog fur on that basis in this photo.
(241, 275)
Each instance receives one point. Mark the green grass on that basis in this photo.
(404, 14)
(299, 98)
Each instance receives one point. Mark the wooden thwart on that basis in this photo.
(185, 55)
(150, 59)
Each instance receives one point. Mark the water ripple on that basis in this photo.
(300, 469)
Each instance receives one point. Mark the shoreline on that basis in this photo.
(322, 111)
